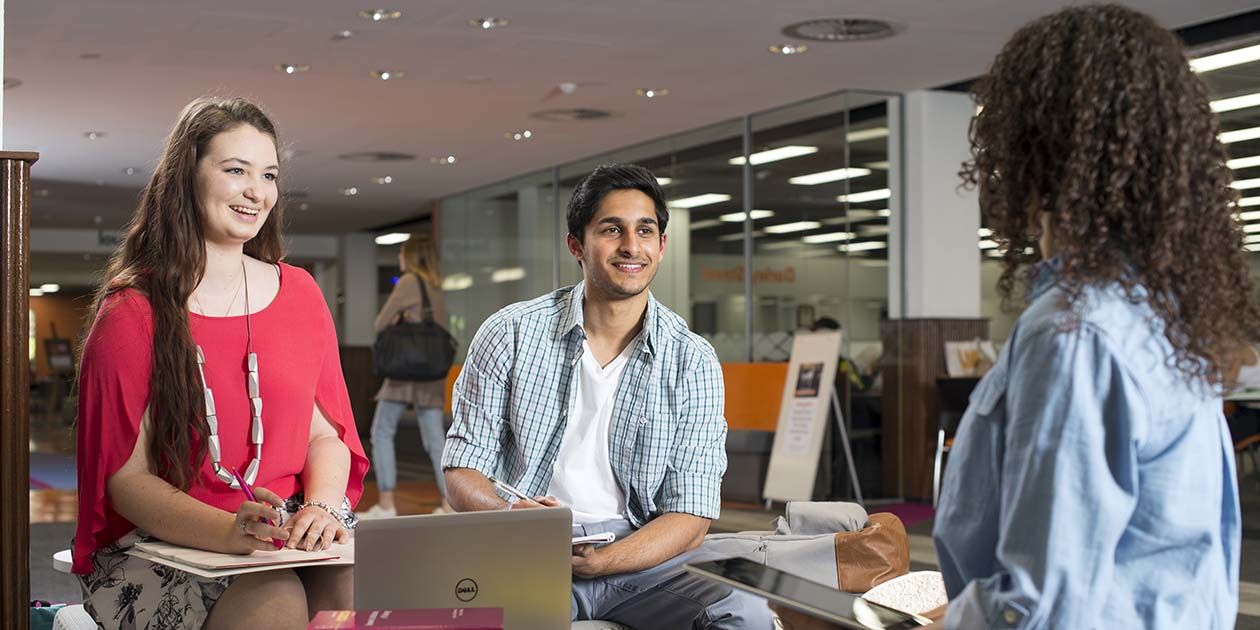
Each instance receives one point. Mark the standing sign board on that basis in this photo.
(807, 397)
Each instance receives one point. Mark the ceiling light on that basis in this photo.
(795, 226)
(882, 166)
(130, 170)
(987, 244)
(350, 192)
(383, 180)
(864, 246)
(855, 215)
(664, 181)
(824, 177)
(386, 75)
(1245, 184)
(457, 282)
(1248, 201)
(94, 135)
(1254, 238)
(1226, 59)
(868, 195)
(738, 217)
(1239, 135)
(519, 135)
(37, 293)
(1252, 247)
(288, 68)
(488, 23)
(841, 29)
(1247, 162)
(304, 206)
(698, 200)
(1251, 227)
(444, 161)
(829, 237)
(510, 274)
(984, 232)
(50, 287)
(874, 230)
(651, 92)
(789, 49)
(774, 155)
(341, 35)
(707, 223)
(1253, 215)
(739, 236)
(380, 15)
(1236, 102)
(393, 238)
(780, 245)
(862, 135)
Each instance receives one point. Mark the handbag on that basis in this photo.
(414, 351)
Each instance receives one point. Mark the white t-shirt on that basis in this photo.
(583, 477)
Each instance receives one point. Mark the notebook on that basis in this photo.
(213, 564)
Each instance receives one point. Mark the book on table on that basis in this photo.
(410, 619)
(214, 564)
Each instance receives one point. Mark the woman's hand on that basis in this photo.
(314, 528)
(254, 525)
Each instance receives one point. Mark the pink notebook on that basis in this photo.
(411, 619)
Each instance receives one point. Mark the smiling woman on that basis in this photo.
(196, 322)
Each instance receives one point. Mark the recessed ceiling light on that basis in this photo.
(10, 83)
(1246, 162)
(130, 170)
(664, 181)
(457, 282)
(94, 135)
(707, 223)
(1252, 215)
(488, 23)
(37, 293)
(774, 155)
(829, 237)
(698, 200)
(1251, 228)
(795, 226)
(651, 92)
(881, 165)
(738, 217)
(840, 29)
(342, 35)
(350, 192)
(739, 236)
(868, 195)
(864, 246)
(393, 238)
(304, 206)
(1247, 202)
(383, 180)
(789, 49)
(780, 245)
(289, 68)
(386, 75)
(987, 244)
(519, 135)
(50, 287)
(867, 134)
(445, 160)
(984, 232)
(1240, 135)
(1236, 102)
(510, 274)
(1245, 184)
(835, 175)
(380, 15)
(43, 192)
(874, 230)
(1226, 59)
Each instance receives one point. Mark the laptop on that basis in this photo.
(517, 560)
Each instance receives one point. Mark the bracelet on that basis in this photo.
(323, 506)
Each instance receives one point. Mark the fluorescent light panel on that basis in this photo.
(738, 236)
(392, 238)
(706, 199)
(1240, 135)
(984, 232)
(780, 245)
(509, 274)
(1254, 238)
(862, 247)
(774, 155)
(1246, 184)
(50, 287)
(1236, 103)
(867, 134)
(1253, 215)
(457, 282)
(707, 223)
(795, 226)
(829, 237)
(868, 195)
(1251, 228)
(824, 177)
(664, 181)
(1226, 59)
(988, 244)
(875, 230)
(738, 217)
(1246, 162)
(1247, 202)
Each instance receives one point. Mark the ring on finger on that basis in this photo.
(243, 524)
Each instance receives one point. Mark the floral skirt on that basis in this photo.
(128, 593)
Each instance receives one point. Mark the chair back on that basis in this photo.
(952, 398)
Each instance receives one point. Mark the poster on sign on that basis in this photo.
(798, 436)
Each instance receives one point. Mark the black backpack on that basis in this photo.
(414, 351)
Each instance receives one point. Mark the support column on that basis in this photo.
(357, 263)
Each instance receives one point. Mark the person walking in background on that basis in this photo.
(421, 279)
(1092, 481)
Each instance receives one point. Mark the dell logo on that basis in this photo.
(466, 590)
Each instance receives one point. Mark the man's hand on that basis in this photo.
(588, 562)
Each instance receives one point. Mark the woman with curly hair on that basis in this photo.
(1092, 481)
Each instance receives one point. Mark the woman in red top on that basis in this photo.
(196, 324)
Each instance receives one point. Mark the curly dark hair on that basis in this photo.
(1093, 115)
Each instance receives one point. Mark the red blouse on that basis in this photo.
(298, 367)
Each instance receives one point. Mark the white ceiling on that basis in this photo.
(464, 87)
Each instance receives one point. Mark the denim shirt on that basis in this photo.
(667, 440)
(1090, 484)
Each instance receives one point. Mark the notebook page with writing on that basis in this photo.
(182, 557)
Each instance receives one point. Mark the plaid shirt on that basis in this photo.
(667, 441)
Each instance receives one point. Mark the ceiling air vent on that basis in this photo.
(376, 156)
(577, 114)
(841, 29)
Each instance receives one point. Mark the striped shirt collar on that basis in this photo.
(572, 317)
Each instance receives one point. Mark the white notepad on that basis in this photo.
(214, 564)
(599, 539)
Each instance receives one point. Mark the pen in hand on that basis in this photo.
(249, 495)
(504, 486)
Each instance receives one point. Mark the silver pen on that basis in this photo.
(503, 485)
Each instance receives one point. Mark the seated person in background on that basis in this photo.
(599, 398)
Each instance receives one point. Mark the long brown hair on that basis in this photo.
(420, 257)
(1093, 115)
(162, 255)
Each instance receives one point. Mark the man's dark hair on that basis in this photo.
(609, 178)
(826, 323)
